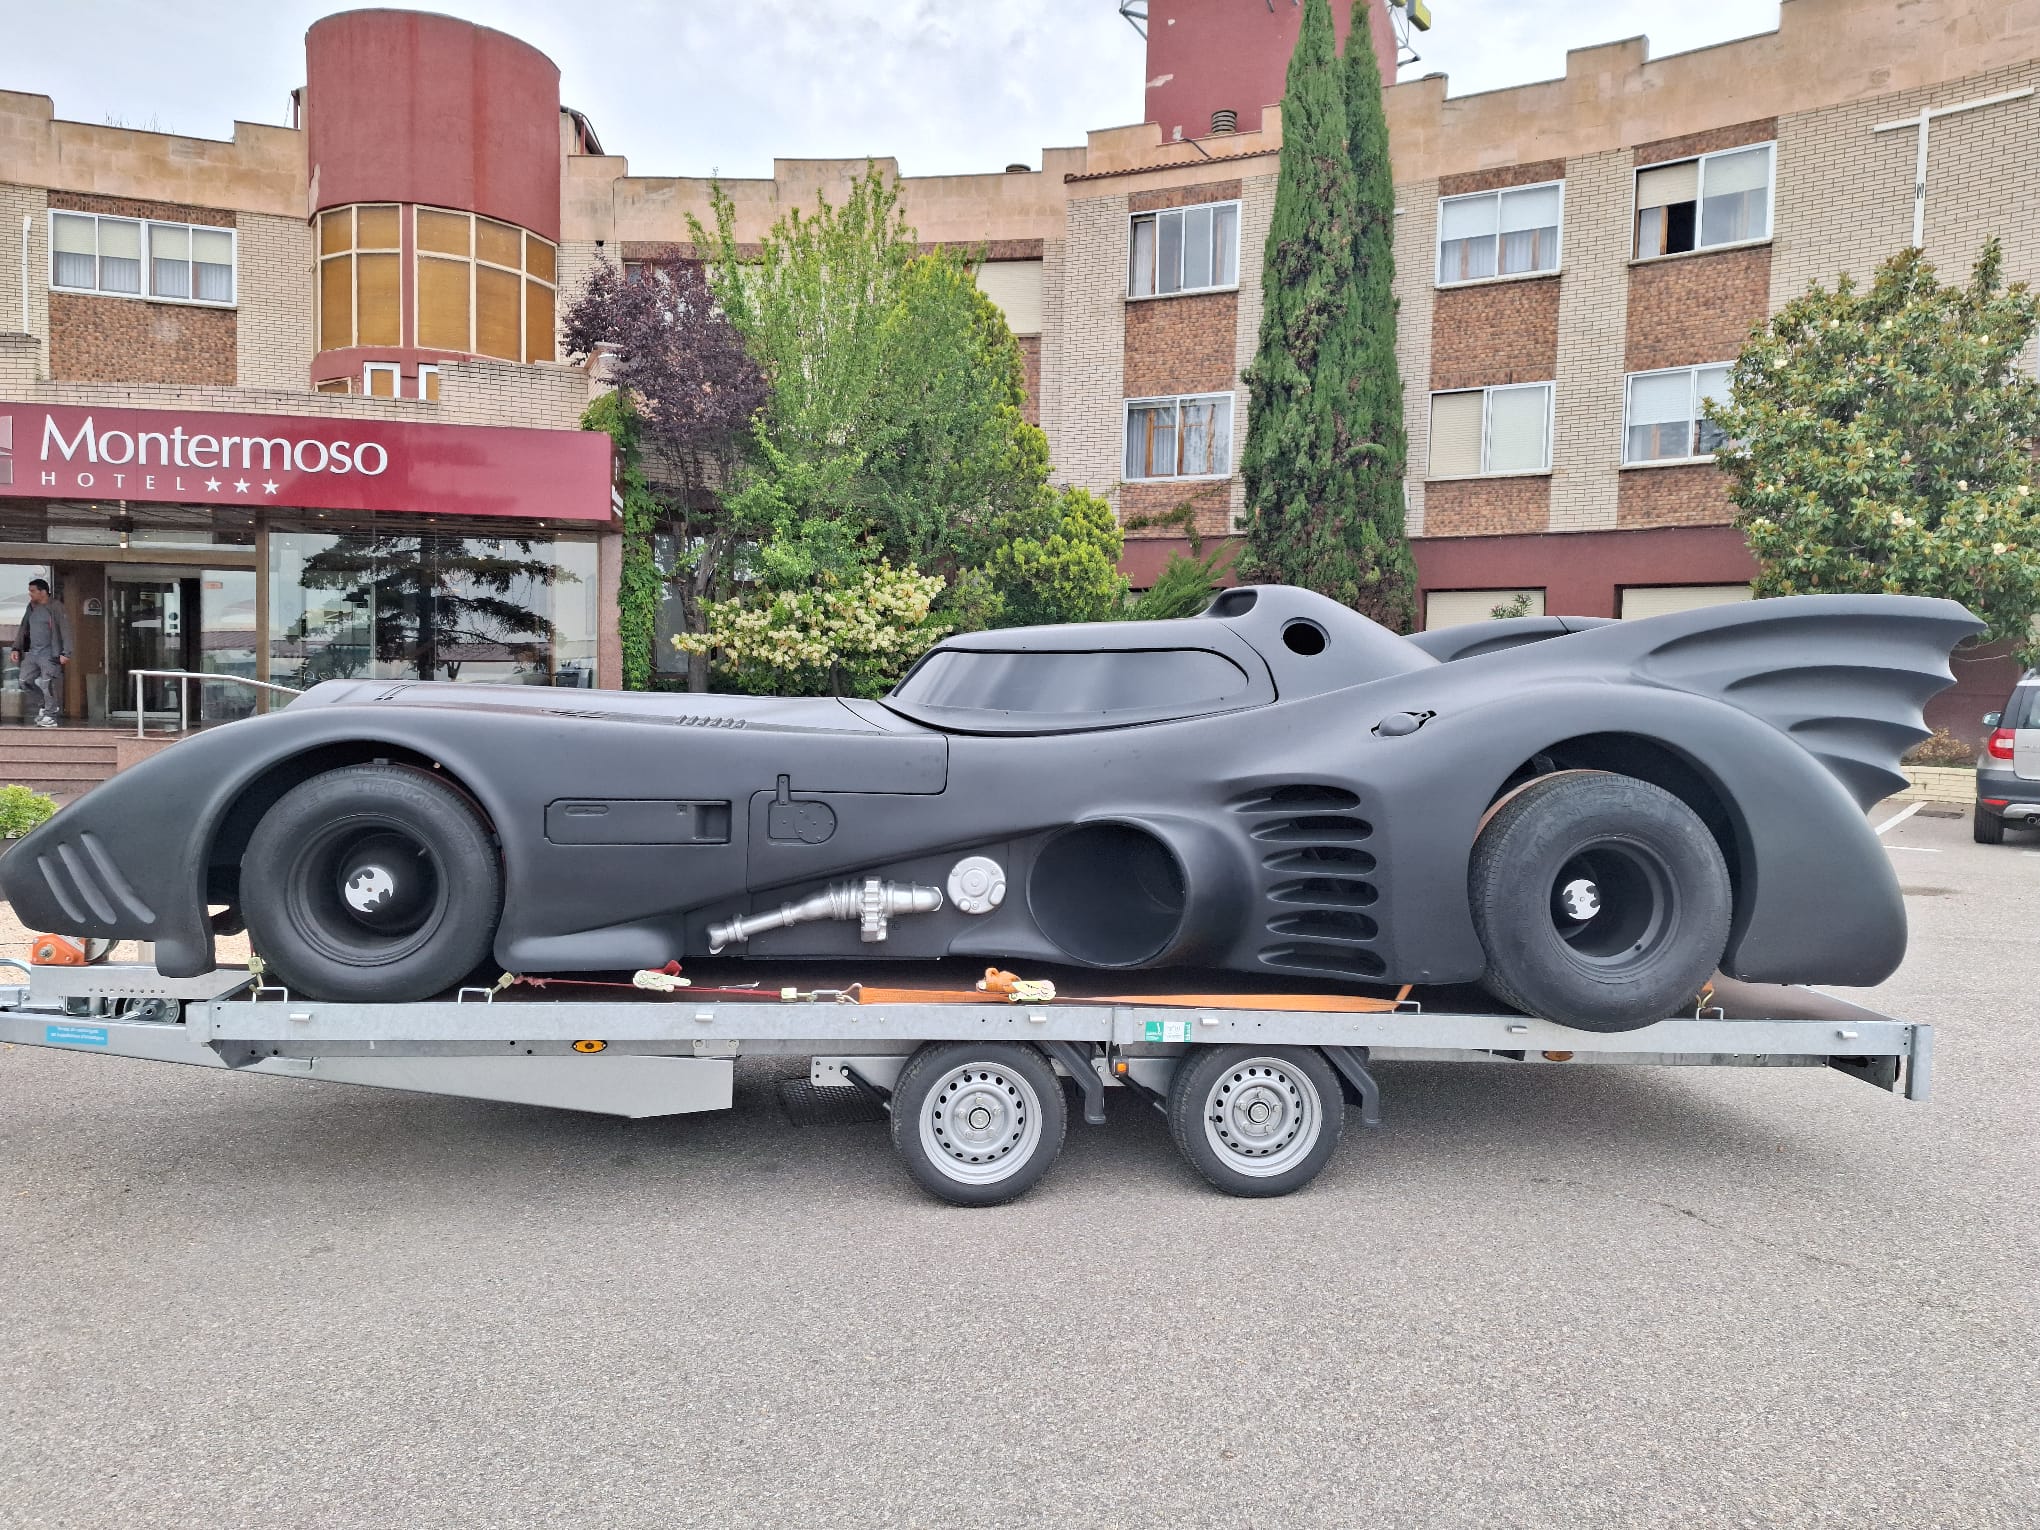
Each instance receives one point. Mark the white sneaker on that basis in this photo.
(45, 720)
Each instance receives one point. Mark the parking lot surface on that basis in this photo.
(1535, 1298)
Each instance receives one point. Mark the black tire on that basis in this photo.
(1212, 1103)
(978, 1123)
(1602, 902)
(1985, 827)
(372, 884)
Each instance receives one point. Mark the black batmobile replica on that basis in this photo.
(1588, 817)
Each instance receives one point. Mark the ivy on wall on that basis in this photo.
(642, 587)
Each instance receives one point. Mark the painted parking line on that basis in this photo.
(1899, 817)
(1917, 849)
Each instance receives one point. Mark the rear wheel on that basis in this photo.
(1985, 827)
(1256, 1121)
(1602, 901)
(372, 884)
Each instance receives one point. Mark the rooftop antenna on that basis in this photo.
(1135, 12)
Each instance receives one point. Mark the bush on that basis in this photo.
(22, 808)
(1941, 748)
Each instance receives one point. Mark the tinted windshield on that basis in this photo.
(1140, 680)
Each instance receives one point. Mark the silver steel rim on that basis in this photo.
(1262, 1116)
(980, 1123)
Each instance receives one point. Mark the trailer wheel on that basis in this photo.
(1257, 1121)
(372, 884)
(978, 1124)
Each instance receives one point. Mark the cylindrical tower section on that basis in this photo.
(434, 157)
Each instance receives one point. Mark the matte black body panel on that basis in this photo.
(1281, 834)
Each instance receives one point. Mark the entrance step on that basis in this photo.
(62, 761)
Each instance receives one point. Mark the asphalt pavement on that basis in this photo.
(1698, 1297)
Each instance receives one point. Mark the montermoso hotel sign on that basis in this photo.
(173, 457)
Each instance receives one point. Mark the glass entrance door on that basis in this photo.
(145, 630)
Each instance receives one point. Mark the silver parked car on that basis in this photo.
(2008, 770)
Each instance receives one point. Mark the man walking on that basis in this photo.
(42, 647)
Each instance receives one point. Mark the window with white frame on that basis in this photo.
(1185, 249)
(138, 257)
(1697, 204)
(382, 379)
(1513, 232)
(1479, 431)
(1189, 437)
(428, 383)
(1662, 416)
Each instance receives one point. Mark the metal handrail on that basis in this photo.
(183, 677)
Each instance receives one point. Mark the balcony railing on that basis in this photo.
(184, 679)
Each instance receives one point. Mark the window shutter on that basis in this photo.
(1517, 429)
(1455, 608)
(1456, 421)
(1745, 170)
(1668, 185)
(1534, 208)
(1664, 599)
(1467, 217)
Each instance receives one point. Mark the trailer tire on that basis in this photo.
(372, 884)
(1257, 1121)
(978, 1123)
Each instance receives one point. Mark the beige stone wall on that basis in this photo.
(1845, 191)
(1257, 211)
(1824, 53)
(16, 203)
(1086, 432)
(261, 169)
(1416, 264)
(1051, 362)
(470, 393)
(1593, 316)
(273, 286)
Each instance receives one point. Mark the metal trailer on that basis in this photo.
(1255, 1098)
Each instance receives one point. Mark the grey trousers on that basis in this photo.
(42, 674)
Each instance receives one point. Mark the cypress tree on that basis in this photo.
(1290, 462)
(1325, 448)
(1369, 405)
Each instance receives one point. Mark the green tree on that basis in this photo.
(1325, 448)
(1067, 573)
(1880, 440)
(894, 428)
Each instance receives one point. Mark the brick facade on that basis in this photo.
(1501, 177)
(115, 340)
(1486, 507)
(1685, 310)
(1593, 306)
(1184, 196)
(1496, 332)
(130, 207)
(1664, 150)
(1695, 495)
(1182, 345)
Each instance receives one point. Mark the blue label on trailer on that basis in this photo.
(74, 1035)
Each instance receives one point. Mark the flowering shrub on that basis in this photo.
(837, 637)
(21, 809)
(1880, 441)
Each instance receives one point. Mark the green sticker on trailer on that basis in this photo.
(1165, 1030)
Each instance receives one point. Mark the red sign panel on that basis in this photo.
(167, 456)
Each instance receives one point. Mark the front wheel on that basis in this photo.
(978, 1124)
(1602, 901)
(372, 884)
(1256, 1121)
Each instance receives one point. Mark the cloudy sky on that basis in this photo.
(690, 86)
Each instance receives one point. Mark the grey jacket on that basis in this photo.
(58, 621)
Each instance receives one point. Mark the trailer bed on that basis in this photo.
(666, 1054)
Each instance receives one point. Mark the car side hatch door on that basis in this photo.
(2024, 717)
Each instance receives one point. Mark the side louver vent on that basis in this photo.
(1319, 883)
